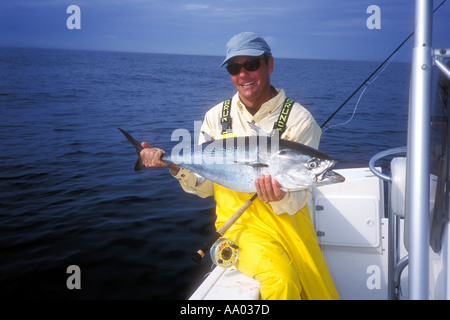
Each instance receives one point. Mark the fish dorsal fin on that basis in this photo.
(257, 131)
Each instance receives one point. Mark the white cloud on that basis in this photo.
(194, 7)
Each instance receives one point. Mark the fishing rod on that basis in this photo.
(373, 73)
(224, 251)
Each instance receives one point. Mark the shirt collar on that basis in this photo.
(268, 106)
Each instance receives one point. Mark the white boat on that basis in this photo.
(385, 235)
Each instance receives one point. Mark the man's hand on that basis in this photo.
(268, 189)
(151, 158)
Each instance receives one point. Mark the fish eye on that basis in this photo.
(312, 164)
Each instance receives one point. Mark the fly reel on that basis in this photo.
(224, 252)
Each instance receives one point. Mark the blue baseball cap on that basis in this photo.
(246, 44)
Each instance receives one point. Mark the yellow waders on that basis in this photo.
(280, 251)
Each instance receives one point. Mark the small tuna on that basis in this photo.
(236, 162)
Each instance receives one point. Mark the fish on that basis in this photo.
(236, 162)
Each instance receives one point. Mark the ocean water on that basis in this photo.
(68, 192)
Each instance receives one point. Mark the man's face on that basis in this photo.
(253, 86)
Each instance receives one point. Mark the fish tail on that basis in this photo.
(139, 165)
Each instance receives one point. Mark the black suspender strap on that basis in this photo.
(226, 116)
(280, 124)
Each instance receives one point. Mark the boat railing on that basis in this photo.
(397, 196)
(396, 201)
(439, 55)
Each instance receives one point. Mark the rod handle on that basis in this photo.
(234, 218)
(198, 256)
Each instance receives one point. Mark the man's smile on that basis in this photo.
(248, 84)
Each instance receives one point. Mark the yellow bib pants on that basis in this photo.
(280, 251)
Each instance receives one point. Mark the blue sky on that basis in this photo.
(294, 28)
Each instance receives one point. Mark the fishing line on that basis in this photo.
(373, 73)
(367, 84)
(353, 114)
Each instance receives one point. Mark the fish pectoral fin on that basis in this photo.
(253, 164)
(259, 165)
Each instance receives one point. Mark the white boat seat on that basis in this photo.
(398, 187)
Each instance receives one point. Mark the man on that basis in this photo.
(277, 241)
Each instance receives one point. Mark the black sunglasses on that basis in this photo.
(251, 64)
